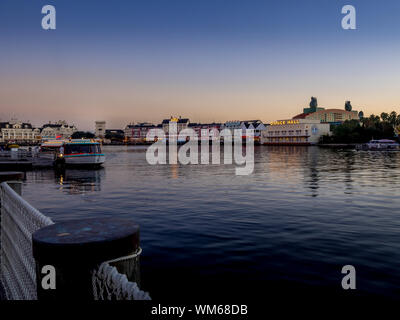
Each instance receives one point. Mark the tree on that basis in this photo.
(82, 135)
(114, 136)
(392, 118)
(353, 131)
(384, 116)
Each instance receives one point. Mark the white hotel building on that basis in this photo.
(18, 131)
(294, 132)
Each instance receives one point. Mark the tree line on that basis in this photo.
(385, 126)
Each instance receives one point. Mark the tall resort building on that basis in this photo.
(332, 116)
(294, 132)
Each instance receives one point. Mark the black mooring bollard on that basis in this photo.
(75, 248)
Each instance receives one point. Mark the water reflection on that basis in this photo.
(348, 169)
(72, 181)
(313, 171)
(302, 214)
(80, 181)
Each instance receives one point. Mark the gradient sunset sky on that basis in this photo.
(208, 60)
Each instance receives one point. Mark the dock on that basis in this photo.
(16, 160)
(15, 165)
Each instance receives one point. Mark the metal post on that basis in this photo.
(77, 247)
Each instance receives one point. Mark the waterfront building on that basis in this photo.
(256, 125)
(100, 129)
(332, 116)
(235, 124)
(294, 132)
(17, 131)
(57, 130)
(182, 123)
(211, 133)
(136, 133)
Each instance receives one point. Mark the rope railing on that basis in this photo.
(109, 284)
(18, 221)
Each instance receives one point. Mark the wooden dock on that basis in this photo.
(15, 165)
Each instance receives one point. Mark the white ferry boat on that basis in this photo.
(83, 152)
(383, 144)
(74, 152)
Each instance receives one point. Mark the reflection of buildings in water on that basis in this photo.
(293, 164)
(311, 174)
(40, 175)
(77, 181)
(285, 162)
(348, 168)
(174, 171)
(390, 163)
(70, 180)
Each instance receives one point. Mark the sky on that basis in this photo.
(209, 60)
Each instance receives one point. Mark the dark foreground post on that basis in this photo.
(77, 247)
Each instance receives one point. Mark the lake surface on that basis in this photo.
(291, 226)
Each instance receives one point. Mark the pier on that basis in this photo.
(91, 259)
(16, 160)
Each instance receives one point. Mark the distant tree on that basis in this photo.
(384, 116)
(82, 135)
(114, 136)
(353, 131)
(392, 118)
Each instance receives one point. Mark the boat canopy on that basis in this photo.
(53, 143)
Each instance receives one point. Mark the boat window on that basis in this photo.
(82, 148)
(76, 148)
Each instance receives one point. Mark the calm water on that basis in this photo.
(293, 224)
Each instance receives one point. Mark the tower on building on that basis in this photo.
(100, 129)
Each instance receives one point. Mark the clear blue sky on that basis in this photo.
(123, 61)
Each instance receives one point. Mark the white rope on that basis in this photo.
(19, 220)
(124, 258)
(109, 284)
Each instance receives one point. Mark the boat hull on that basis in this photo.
(85, 160)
